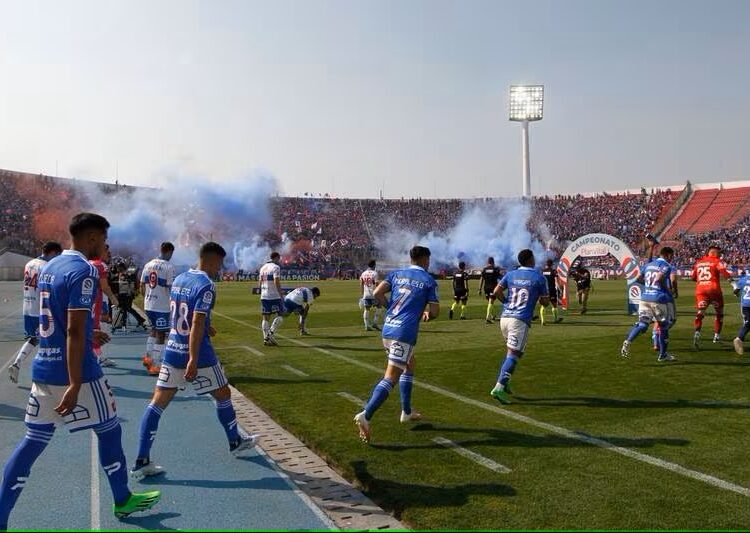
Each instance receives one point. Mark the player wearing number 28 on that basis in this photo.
(525, 286)
(189, 357)
(414, 299)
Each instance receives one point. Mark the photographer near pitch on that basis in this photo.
(124, 280)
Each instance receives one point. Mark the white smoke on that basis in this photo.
(497, 228)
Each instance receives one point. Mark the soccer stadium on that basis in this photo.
(182, 351)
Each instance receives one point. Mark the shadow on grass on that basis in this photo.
(595, 401)
(500, 437)
(152, 522)
(396, 496)
(363, 336)
(235, 380)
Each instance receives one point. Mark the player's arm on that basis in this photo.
(106, 289)
(277, 281)
(673, 281)
(499, 292)
(481, 283)
(361, 286)
(197, 329)
(75, 346)
(380, 291)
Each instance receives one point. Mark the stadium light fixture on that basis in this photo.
(526, 104)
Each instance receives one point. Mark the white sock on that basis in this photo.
(24, 352)
(366, 316)
(150, 341)
(106, 327)
(156, 353)
(302, 322)
(276, 323)
(265, 327)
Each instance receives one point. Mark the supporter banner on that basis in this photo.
(598, 245)
(286, 275)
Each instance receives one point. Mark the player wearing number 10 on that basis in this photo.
(190, 357)
(525, 286)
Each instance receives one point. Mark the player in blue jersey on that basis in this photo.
(657, 303)
(413, 299)
(31, 306)
(68, 386)
(742, 289)
(190, 357)
(525, 286)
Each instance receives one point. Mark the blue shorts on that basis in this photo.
(159, 320)
(268, 307)
(293, 307)
(30, 326)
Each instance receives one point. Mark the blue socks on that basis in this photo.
(112, 459)
(663, 339)
(405, 384)
(228, 419)
(18, 467)
(640, 327)
(507, 369)
(378, 396)
(149, 425)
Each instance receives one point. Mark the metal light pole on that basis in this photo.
(526, 104)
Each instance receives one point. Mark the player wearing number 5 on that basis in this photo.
(707, 274)
(190, 357)
(525, 286)
(414, 299)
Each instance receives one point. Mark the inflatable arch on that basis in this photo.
(599, 245)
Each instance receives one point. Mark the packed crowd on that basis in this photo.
(335, 233)
(733, 241)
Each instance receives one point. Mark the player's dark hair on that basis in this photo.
(371, 264)
(274, 256)
(418, 252)
(167, 247)
(213, 248)
(51, 247)
(714, 247)
(666, 250)
(490, 260)
(462, 265)
(315, 291)
(87, 221)
(550, 262)
(525, 257)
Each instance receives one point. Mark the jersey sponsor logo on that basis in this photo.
(208, 297)
(87, 287)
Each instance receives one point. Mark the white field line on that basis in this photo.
(243, 347)
(473, 456)
(601, 443)
(296, 371)
(345, 395)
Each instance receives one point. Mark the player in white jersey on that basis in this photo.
(269, 281)
(299, 301)
(156, 282)
(31, 306)
(367, 282)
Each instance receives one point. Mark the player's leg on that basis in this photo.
(742, 333)
(464, 301)
(228, 417)
(366, 314)
(645, 316)
(405, 385)
(718, 304)
(281, 310)
(170, 379)
(584, 300)
(541, 314)
(515, 333)
(31, 341)
(303, 322)
(150, 342)
(453, 306)
(663, 315)
(378, 316)
(701, 304)
(490, 307)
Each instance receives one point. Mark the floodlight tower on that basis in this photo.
(526, 105)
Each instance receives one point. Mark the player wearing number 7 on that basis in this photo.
(414, 299)
(190, 357)
(525, 286)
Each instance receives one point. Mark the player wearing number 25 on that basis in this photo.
(525, 286)
(414, 299)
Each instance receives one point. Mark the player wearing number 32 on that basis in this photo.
(414, 299)
(190, 357)
(525, 286)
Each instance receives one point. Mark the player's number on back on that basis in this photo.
(403, 295)
(651, 279)
(704, 273)
(518, 298)
(153, 279)
(179, 317)
(746, 292)
(48, 328)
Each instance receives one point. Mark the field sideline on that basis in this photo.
(677, 431)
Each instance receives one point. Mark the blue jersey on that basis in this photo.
(657, 283)
(523, 287)
(411, 290)
(743, 284)
(67, 282)
(192, 292)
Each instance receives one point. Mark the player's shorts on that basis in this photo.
(584, 290)
(516, 333)
(368, 302)
(293, 307)
(159, 320)
(488, 291)
(461, 294)
(399, 353)
(704, 299)
(208, 379)
(268, 307)
(96, 405)
(648, 311)
(30, 326)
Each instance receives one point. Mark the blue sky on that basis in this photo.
(350, 97)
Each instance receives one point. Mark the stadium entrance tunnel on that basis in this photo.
(601, 245)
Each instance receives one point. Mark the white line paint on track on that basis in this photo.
(601, 443)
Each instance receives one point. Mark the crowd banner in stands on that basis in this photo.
(601, 245)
